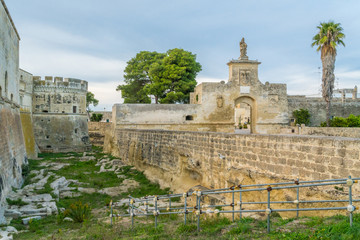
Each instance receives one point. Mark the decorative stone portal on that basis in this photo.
(245, 112)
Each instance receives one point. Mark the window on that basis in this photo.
(75, 130)
(11, 97)
(21, 100)
(0, 91)
(189, 118)
(74, 109)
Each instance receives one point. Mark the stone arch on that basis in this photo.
(248, 101)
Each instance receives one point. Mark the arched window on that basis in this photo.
(6, 84)
(12, 97)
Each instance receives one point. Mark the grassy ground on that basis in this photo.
(169, 227)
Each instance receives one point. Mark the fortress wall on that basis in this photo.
(97, 132)
(12, 151)
(317, 107)
(331, 131)
(61, 132)
(28, 133)
(181, 160)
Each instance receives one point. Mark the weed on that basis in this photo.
(17, 202)
(78, 212)
(189, 228)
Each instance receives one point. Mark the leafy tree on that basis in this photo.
(169, 76)
(302, 116)
(327, 39)
(137, 76)
(90, 99)
(96, 117)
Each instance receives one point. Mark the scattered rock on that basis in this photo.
(67, 219)
(27, 220)
(12, 213)
(59, 183)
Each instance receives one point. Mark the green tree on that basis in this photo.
(327, 39)
(169, 76)
(96, 117)
(90, 99)
(302, 116)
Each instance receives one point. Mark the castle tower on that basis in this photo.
(242, 71)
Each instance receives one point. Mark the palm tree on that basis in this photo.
(327, 39)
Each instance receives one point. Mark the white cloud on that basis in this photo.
(106, 94)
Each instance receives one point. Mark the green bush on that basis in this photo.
(78, 212)
(96, 117)
(351, 121)
(302, 116)
(17, 202)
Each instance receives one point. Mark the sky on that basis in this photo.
(93, 40)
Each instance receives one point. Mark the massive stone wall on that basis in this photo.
(61, 132)
(59, 114)
(181, 160)
(187, 117)
(330, 131)
(12, 148)
(317, 107)
(97, 132)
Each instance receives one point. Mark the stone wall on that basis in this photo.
(187, 117)
(181, 160)
(330, 131)
(61, 132)
(12, 151)
(28, 133)
(97, 132)
(317, 107)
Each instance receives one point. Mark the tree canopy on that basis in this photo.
(327, 39)
(90, 99)
(170, 77)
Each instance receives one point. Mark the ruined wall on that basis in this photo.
(97, 132)
(12, 148)
(317, 107)
(181, 160)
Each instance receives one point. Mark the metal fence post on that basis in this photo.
(111, 219)
(147, 205)
(198, 200)
(240, 200)
(351, 208)
(156, 211)
(233, 203)
(185, 208)
(268, 210)
(132, 213)
(297, 198)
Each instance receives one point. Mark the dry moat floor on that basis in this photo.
(72, 193)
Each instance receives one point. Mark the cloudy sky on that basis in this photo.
(93, 40)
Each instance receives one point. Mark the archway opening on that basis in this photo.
(244, 115)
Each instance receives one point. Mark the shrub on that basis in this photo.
(78, 212)
(302, 116)
(351, 121)
(96, 117)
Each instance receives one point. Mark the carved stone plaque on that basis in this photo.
(244, 89)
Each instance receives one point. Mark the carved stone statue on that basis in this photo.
(220, 101)
(243, 50)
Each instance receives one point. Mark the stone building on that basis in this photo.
(59, 114)
(220, 107)
(12, 147)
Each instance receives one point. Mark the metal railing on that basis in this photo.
(239, 189)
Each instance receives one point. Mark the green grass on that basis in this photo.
(17, 202)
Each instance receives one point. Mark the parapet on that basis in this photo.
(60, 82)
